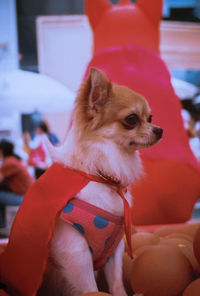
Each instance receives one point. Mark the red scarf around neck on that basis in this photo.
(23, 262)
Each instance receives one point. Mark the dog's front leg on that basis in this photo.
(80, 275)
(113, 271)
(71, 252)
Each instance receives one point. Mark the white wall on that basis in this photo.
(9, 119)
(64, 48)
(8, 36)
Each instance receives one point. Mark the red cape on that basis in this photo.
(23, 263)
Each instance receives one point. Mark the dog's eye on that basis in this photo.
(149, 119)
(131, 121)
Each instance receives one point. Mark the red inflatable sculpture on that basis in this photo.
(126, 48)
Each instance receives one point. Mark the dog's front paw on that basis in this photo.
(118, 289)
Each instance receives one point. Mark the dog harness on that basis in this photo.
(102, 230)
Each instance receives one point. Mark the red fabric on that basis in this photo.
(23, 262)
(16, 175)
(127, 222)
(102, 230)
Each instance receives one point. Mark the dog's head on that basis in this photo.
(109, 112)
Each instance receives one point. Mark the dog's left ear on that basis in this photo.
(99, 91)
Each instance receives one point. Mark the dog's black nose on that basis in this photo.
(158, 132)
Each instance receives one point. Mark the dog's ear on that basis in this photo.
(99, 91)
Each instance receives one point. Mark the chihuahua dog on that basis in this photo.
(110, 123)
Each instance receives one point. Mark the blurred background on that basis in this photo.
(45, 46)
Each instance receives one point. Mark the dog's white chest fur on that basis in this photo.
(103, 196)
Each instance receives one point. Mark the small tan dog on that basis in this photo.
(111, 122)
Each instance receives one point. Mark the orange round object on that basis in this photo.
(196, 244)
(193, 289)
(140, 239)
(161, 270)
(140, 250)
(164, 230)
(189, 228)
(96, 294)
(180, 235)
(186, 247)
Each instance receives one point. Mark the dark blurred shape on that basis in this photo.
(30, 122)
(193, 106)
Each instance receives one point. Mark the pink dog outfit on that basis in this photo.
(102, 230)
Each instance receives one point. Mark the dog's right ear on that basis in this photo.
(98, 92)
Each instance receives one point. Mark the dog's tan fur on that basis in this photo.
(100, 141)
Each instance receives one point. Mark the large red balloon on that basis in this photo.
(126, 48)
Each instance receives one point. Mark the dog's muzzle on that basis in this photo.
(158, 132)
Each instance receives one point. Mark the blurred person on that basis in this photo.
(188, 122)
(42, 128)
(38, 154)
(195, 141)
(15, 178)
(193, 132)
